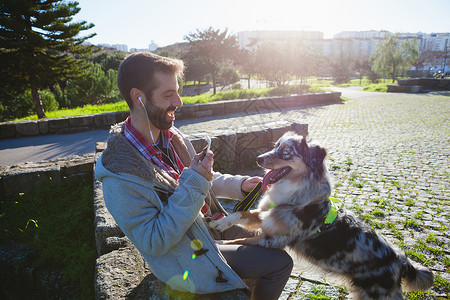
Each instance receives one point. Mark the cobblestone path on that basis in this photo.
(389, 157)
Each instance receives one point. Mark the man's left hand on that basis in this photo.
(249, 183)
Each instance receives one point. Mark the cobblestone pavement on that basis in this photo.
(389, 157)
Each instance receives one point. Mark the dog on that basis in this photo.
(296, 212)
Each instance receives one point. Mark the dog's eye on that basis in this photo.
(286, 152)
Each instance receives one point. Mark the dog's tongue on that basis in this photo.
(273, 176)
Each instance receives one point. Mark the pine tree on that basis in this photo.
(38, 41)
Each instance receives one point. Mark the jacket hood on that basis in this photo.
(121, 157)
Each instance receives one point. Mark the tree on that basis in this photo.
(274, 62)
(99, 87)
(246, 60)
(394, 55)
(196, 69)
(109, 60)
(213, 49)
(305, 60)
(227, 76)
(341, 61)
(38, 42)
(361, 65)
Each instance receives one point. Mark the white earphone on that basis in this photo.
(148, 120)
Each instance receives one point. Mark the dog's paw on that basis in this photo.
(225, 223)
(244, 241)
(221, 224)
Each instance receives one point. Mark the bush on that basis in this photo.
(60, 96)
(99, 87)
(12, 107)
(49, 101)
(373, 76)
(289, 90)
(250, 93)
(236, 86)
(15, 106)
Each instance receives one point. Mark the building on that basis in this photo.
(434, 45)
(121, 47)
(251, 39)
(152, 46)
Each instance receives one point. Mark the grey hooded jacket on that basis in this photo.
(160, 215)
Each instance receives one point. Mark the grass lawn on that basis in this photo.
(58, 222)
(311, 86)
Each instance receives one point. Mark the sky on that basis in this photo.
(138, 22)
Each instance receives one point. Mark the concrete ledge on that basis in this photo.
(394, 88)
(27, 177)
(113, 280)
(188, 111)
(426, 83)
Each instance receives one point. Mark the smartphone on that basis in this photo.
(208, 141)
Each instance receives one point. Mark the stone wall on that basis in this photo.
(417, 85)
(121, 272)
(426, 83)
(27, 177)
(188, 111)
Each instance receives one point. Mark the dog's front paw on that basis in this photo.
(244, 241)
(225, 223)
(221, 224)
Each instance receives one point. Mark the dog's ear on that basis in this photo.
(318, 155)
(316, 165)
(302, 148)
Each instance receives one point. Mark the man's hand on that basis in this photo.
(202, 163)
(249, 183)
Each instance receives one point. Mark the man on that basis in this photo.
(162, 194)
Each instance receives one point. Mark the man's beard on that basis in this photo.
(158, 115)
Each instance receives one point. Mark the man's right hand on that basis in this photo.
(202, 163)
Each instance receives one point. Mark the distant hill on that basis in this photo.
(175, 48)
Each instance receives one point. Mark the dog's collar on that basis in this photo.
(336, 206)
(272, 205)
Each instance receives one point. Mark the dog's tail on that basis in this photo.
(416, 277)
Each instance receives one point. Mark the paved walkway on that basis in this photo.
(389, 157)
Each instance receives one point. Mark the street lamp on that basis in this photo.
(445, 57)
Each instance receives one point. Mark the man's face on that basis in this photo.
(163, 101)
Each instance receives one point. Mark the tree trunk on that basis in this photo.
(249, 81)
(394, 72)
(37, 102)
(213, 76)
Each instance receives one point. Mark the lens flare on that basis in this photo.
(185, 274)
(194, 256)
(196, 244)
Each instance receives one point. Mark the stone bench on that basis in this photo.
(395, 88)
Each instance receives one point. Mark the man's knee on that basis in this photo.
(289, 262)
(285, 262)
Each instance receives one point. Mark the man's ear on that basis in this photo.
(135, 94)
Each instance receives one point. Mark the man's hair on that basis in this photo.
(137, 71)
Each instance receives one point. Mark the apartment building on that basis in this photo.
(363, 42)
